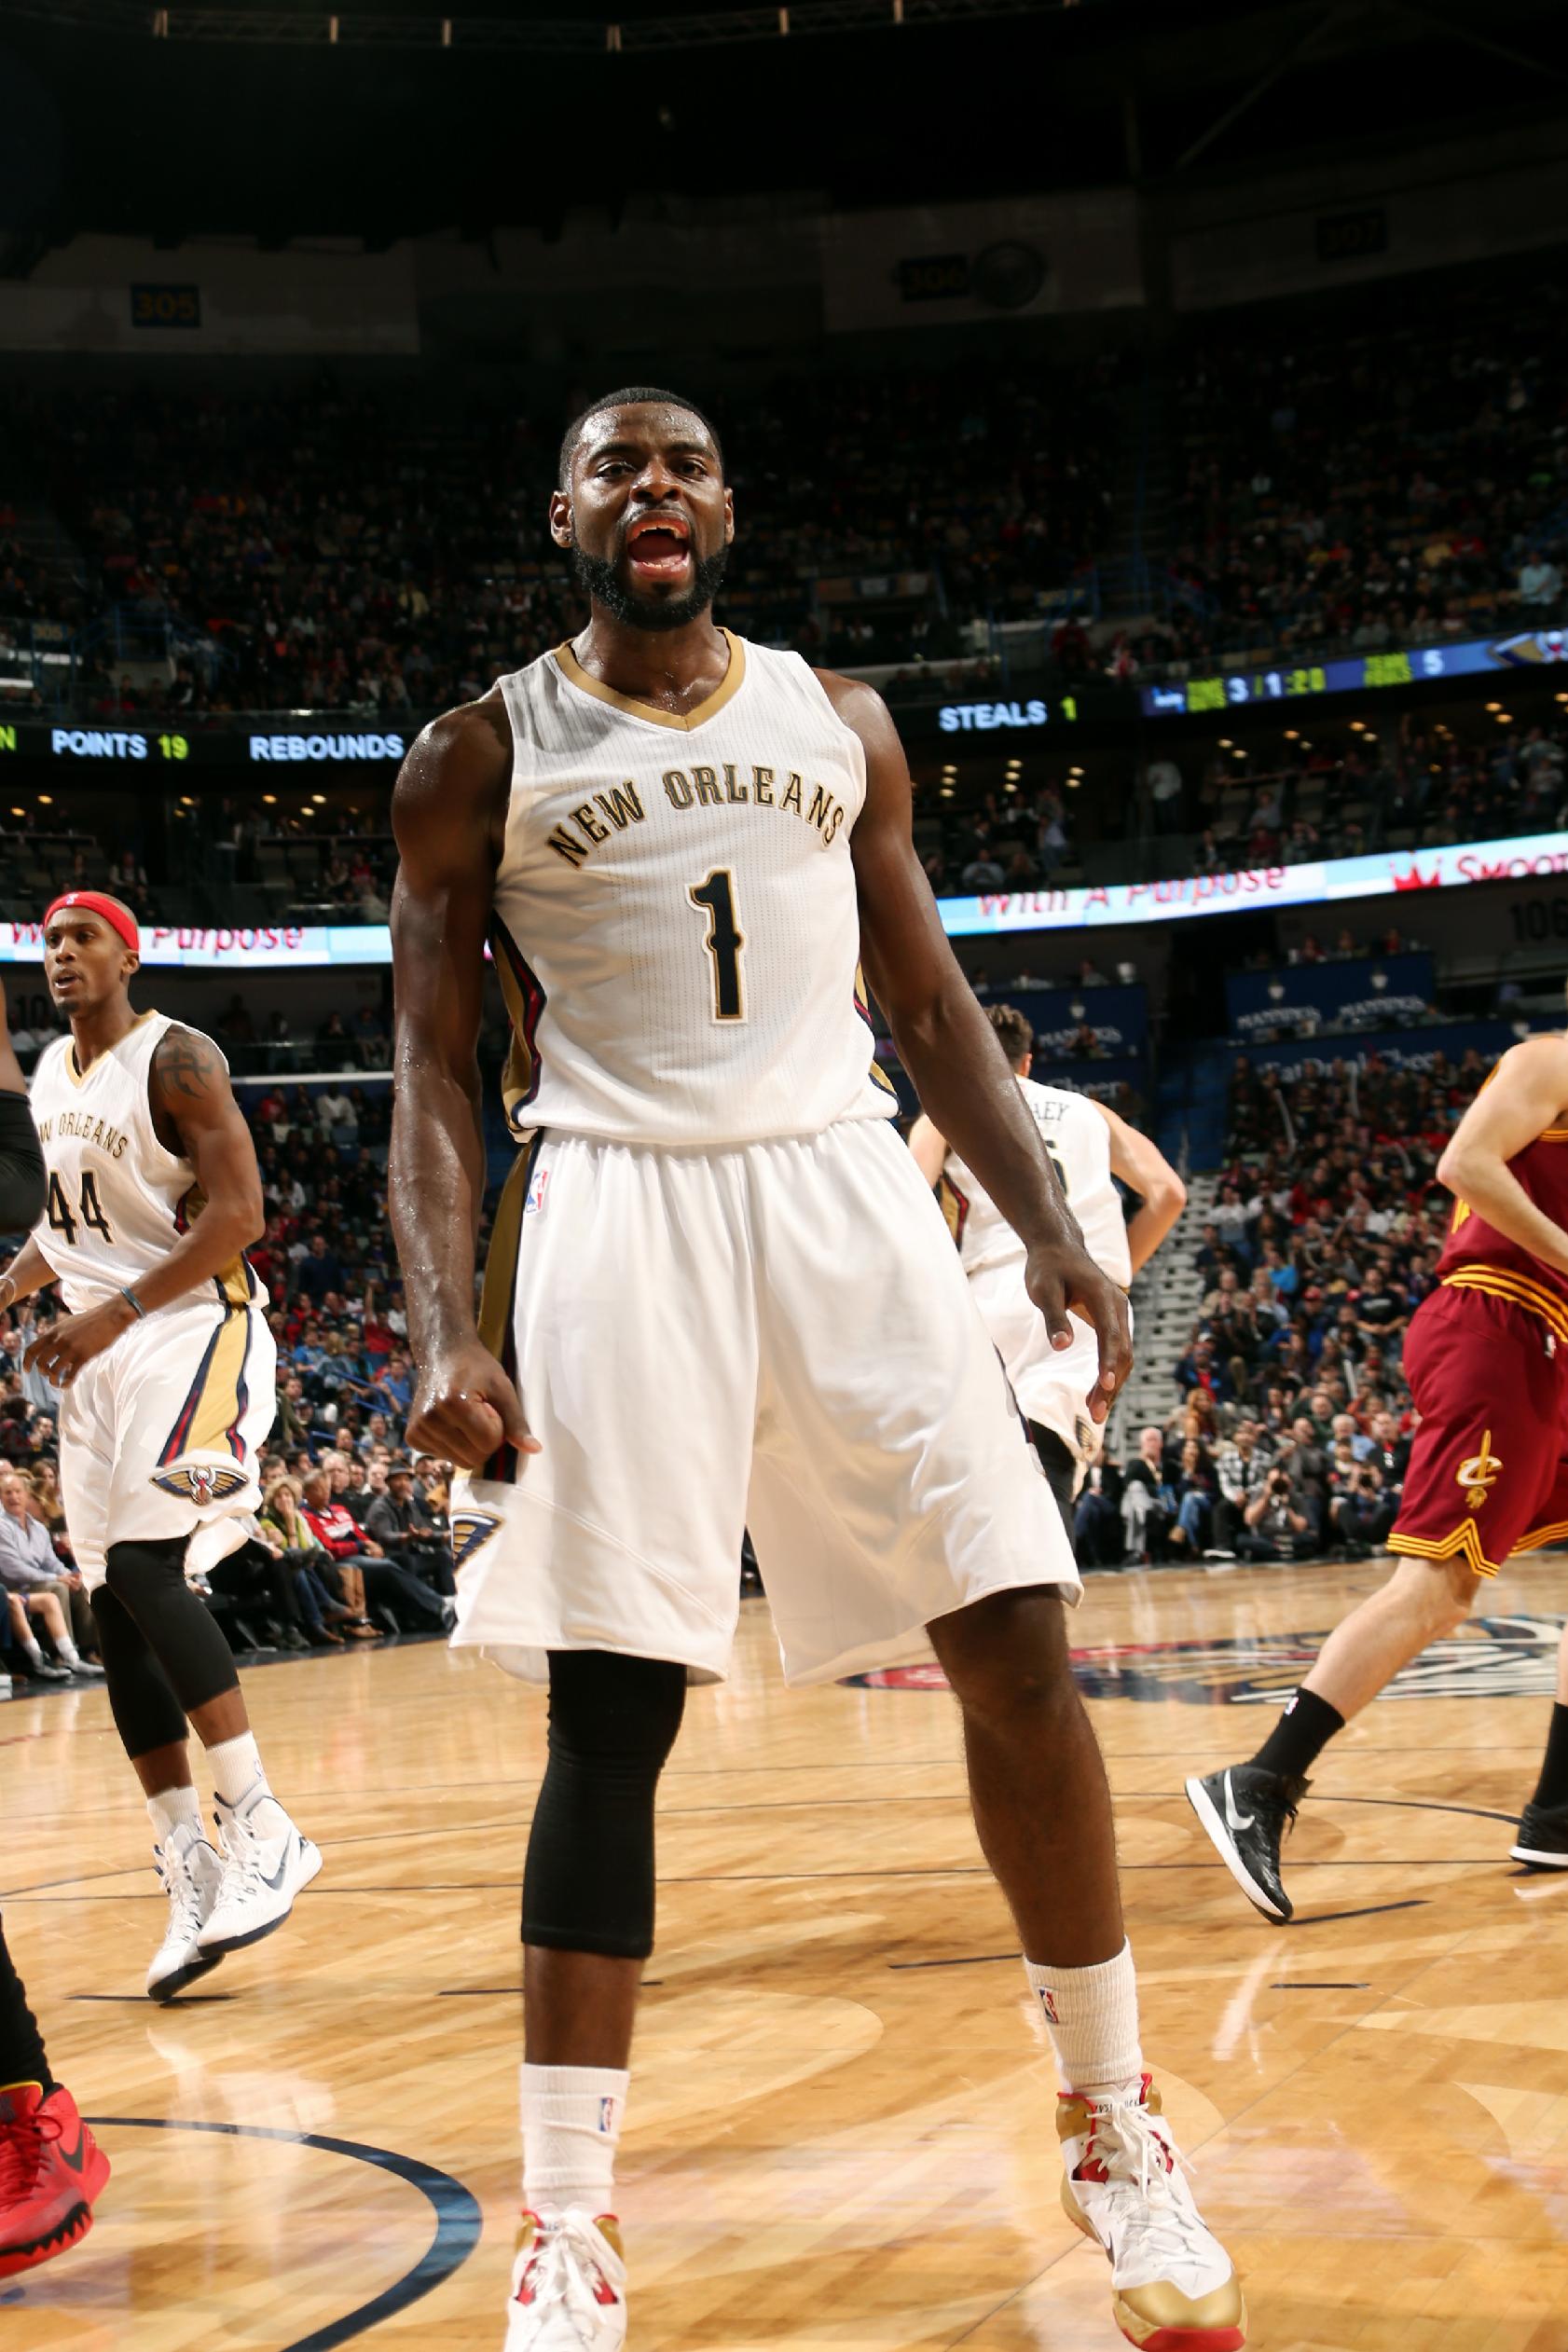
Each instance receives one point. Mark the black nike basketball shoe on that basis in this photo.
(1543, 1838)
(1246, 1812)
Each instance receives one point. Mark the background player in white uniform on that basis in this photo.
(718, 1290)
(1089, 1145)
(166, 1371)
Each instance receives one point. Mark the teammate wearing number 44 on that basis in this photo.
(166, 1371)
(718, 1294)
(1487, 1360)
(1089, 1147)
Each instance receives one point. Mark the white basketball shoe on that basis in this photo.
(1173, 2287)
(569, 2285)
(266, 1863)
(190, 1870)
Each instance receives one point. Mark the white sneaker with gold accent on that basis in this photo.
(569, 2285)
(1173, 2287)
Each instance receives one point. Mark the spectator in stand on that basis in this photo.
(407, 1534)
(1149, 1502)
(34, 1575)
(400, 1597)
(1276, 1524)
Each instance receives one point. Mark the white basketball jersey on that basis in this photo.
(676, 926)
(1078, 1142)
(118, 1201)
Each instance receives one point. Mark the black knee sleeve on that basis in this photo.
(1060, 1465)
(588, 1886)
(147, 1714)
(149, 1581)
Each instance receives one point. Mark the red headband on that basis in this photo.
(111, 909)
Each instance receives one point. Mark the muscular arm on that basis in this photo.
(1528, 1092)
(951, 1052)
(448, 814)
(1141, 1165)
(193, 1104)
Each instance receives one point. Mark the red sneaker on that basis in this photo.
(52, 2172)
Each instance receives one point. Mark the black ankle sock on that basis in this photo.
(1552, 1787)
(1299, 1737)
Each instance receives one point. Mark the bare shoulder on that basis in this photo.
(859, 707)
(461, 762)
(186, 1066)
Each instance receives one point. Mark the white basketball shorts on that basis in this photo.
(1052, 1387)
(158, 1436)
(780, 1336)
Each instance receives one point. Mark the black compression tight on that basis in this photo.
(21, 2045)
(588, 1886)
(163, 1655)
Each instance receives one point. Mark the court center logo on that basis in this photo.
(1478, 1475)
(201, 1482)
(1491, 1657)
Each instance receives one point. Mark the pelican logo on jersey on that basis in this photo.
(471, 1531)
(201, 1482)
(698, 788)
(1478, 1475)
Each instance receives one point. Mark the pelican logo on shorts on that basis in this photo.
(471, 1531)
(1478, 1475)
(201, 1482)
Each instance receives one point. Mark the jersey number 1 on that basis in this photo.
(89, 1210)
(715, 898)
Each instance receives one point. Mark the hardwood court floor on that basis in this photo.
(841, 2133)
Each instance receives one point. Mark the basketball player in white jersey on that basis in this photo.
(1088, 1146)
(166, 1370)
(718, 1293)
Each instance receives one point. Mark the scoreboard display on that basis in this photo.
(1412, 666)
(224, 746)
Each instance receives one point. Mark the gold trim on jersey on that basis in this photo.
(1465, 1538)
(729, 686)
(68, 1059)
(501, 1258)
(1517, 1289)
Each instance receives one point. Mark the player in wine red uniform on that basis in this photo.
(1487, 1361)
(166, 1368)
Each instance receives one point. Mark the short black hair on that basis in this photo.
(629, 396)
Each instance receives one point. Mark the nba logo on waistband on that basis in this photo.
(535, 1201)
(607, 2116)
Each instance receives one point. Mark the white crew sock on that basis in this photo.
(571, 2128)
(34, 1654)
(237, 1767)
(1092, 2016)
(68, 1650)
(174, 1808)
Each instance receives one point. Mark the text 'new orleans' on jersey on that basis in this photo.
(117, 1199)
(676, 926)
(1078, 1142)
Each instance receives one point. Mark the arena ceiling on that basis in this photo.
(234, 119)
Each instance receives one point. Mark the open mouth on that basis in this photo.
(659, 550)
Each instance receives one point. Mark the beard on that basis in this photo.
(600, 581)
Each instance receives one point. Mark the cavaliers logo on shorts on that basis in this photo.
(201, 1482)
(1478, 1474)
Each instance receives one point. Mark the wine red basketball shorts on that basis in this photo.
(1489, 1468)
